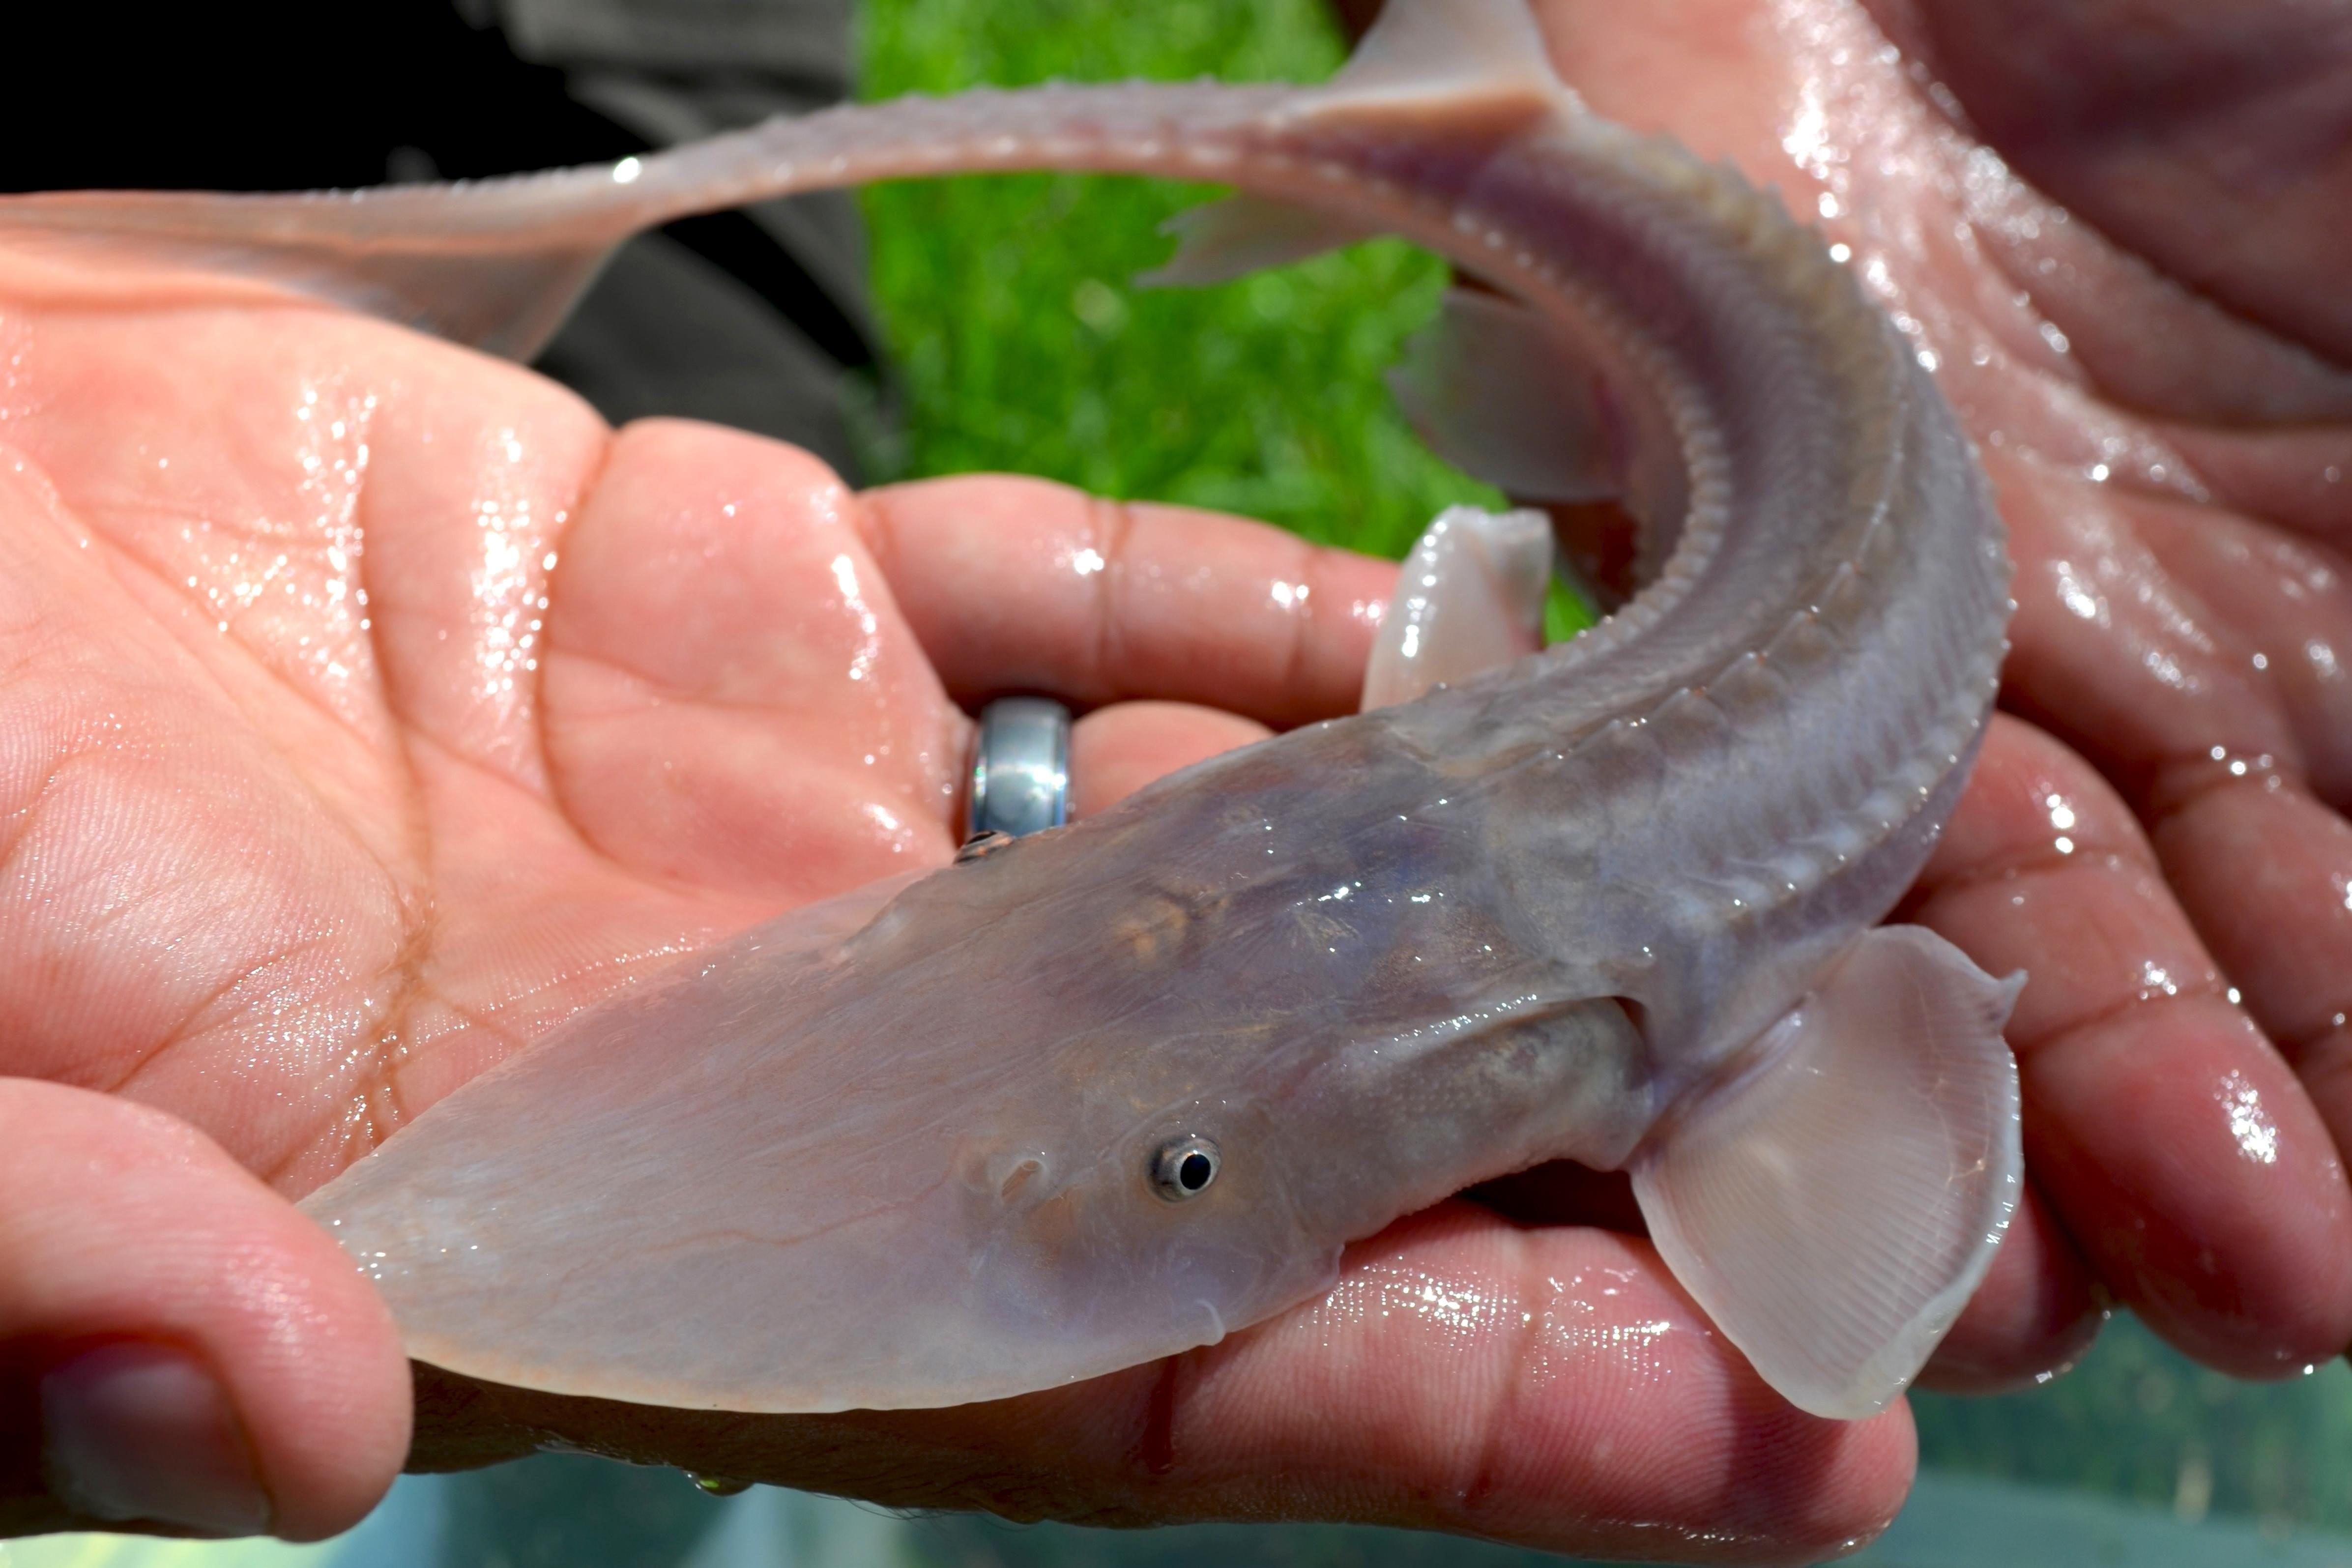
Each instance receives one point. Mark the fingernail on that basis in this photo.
(143, 1432)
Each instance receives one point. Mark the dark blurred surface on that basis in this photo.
(748, 319)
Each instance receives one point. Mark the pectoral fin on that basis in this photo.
(1502, 394)
(1833, 1204)
(1470, 597)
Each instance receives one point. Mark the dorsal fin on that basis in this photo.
(1484, 56)
(1449, 49)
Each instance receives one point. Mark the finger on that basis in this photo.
(2267, 872)
(2106, 130)
(471, 470)
(732, 701)
(2174, 1144)
(1117, 749)
(2035, 1314)
(185, 1352)
(1017, 585)
(1551, 1387)
(2193, 652)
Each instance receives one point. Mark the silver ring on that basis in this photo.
(1020, 768)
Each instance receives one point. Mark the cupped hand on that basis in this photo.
(369, 707)
(2115, 228)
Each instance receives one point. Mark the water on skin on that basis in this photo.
(1606, 903)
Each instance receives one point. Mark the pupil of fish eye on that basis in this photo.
(1184, 1167)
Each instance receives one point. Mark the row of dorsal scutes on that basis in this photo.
(1803, 827)
(1819, 318)
(1795, 760)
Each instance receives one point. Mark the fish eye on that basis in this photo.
(1184, 1167)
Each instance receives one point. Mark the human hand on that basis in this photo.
(368, 707)
(2161, 387)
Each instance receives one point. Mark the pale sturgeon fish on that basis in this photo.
(1121, 1089)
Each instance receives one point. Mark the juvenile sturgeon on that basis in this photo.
(1120, 1089)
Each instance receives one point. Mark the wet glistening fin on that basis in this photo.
(1833, 1204)
(1469, 597)
(1449, 51)
(1485, 57)
(1501, 393)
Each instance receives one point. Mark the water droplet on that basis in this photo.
(719, 1486)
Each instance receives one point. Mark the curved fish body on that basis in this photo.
(1611, 901)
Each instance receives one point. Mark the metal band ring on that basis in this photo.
(1020, 768)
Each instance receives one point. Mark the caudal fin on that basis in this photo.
(1833, 1205)
(498, 264)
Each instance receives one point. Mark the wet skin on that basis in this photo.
(370, 707)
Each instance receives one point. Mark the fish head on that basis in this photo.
(1163, 1229)
(1116, 1160)
(1210, 1071)
(1097, 1098)
(999, 1136)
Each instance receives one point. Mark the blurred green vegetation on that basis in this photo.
(1021, 345)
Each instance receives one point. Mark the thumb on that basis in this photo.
(180, 1350)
